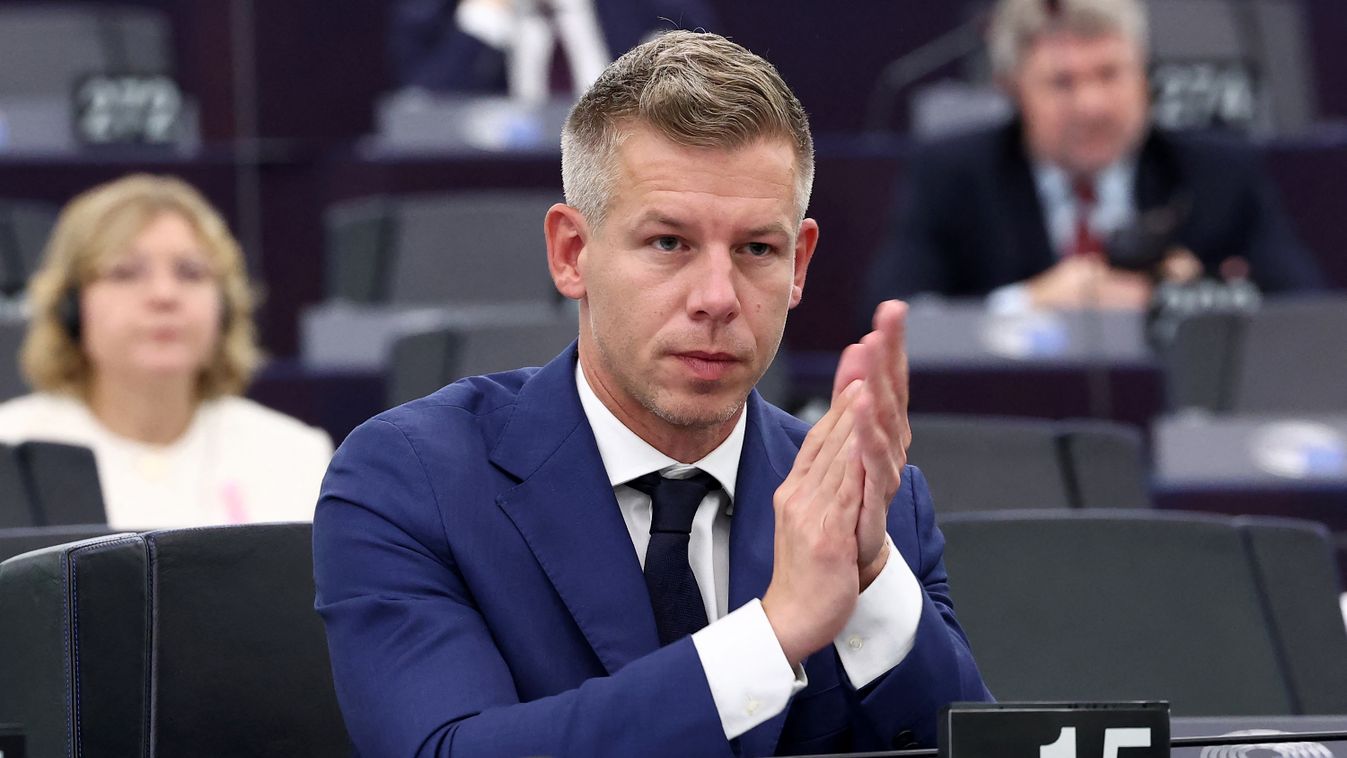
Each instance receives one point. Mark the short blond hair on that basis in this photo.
(694, 88)
(1017, 24)
(101, 222)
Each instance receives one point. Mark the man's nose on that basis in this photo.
(714, 292)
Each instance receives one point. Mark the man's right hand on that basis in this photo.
(814, 584)
(1087, 281)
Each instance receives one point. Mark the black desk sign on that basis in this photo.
(11, 742)
(1055, 730)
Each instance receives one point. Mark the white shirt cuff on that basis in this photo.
(1009, 298)
(883, 628)
(750, 679)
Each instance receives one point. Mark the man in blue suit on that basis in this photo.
(628, 552)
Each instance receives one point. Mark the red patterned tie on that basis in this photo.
(1085, 242)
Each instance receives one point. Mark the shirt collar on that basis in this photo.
(1112, 183)
(626, 456)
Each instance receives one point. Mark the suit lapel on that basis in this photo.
(1023, 210)
(566, 511)
(767, 457)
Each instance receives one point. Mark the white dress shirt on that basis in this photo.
(748, 674)
(1114, 209)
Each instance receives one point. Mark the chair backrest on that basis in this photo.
(1200, 361)
(1106, 463)
(984, 463)
(12, 382)
(20, 540)
(360, 235)
(1292, 359)
(193, 641)
(979, 464)
(1116, 605)
(62, 483)
(16, 507)
(24, 229)
(422, 363)
(49, 45)
(1297, 572)
(471, 248)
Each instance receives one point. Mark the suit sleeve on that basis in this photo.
(415, 667)
(940, 668)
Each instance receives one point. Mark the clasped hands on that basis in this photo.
(832, 509)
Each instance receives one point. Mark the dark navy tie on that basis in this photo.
(674, 595)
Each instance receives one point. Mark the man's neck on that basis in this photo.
(685, 444)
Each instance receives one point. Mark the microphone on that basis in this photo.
(1143, 244)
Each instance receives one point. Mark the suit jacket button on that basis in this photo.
(904, 739)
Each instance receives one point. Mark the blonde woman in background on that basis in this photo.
(140, 343)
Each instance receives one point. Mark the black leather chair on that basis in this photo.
(199, 642)
(62, 483)
(16, 508)
(20, 540)
(49, 483)
(1137, 605)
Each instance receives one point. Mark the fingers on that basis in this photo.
(814, 440)
(887, 378)
(851, 366)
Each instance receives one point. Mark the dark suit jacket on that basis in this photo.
(969, 219)
(482, 596)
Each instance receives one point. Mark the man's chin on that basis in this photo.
(701, 412)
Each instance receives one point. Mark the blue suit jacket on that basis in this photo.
(482, 596)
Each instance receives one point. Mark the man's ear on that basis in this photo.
(805, 242)
(567, 234)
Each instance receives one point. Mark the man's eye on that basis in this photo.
(759, 249)
(667, 244)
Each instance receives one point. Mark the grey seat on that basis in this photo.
(198, 642)
(981, 463)
(16, 507)
(48, 46)
(1118, 605)
(1296, 570)
(1106, 463)
(1287, 357)
(455, 249)
(977, 463)
(63, 484)
(1293, 358)
(24, 229)
(424, 362)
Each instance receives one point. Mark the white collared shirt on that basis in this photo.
(747, 671)
(1114, 207)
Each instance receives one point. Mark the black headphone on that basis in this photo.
(68, 313)
(69, 316)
